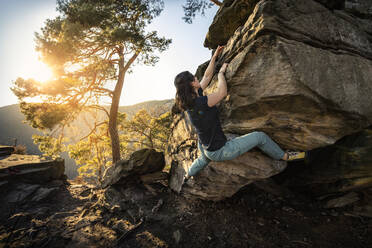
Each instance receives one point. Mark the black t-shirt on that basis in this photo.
(207, 123)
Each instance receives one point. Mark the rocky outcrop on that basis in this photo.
(28, 179)
(30, 169)
(6, 150)
(140, 163)
(299, 70)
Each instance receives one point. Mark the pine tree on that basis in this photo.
(90, 46)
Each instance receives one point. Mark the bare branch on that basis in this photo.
(216, 2)
(110, 92)
(99, 108)
(93, 130)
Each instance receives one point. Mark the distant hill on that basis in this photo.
(12, 127)
(155, 108)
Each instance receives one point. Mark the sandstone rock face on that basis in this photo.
(141, 162)
(303, 81)
(231, 15)
(299, 70)
(234, 14)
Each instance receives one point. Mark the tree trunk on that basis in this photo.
(113, 130)
(115, 142)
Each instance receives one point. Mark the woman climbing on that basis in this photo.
(203, 114)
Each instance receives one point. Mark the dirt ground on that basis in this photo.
(154, 216)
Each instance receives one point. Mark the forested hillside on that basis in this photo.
(12, 127)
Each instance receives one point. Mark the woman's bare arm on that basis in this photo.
(208, 74)
(221, 92)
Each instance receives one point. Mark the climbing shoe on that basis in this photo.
(296, 156)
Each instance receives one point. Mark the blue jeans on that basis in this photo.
(236, 147)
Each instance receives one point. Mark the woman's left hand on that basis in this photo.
(218, 51)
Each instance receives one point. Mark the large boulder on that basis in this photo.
(140, 163)
(300, 71)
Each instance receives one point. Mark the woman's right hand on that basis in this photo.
(223, 67)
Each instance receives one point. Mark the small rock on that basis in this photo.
(85, 192)
(365, 211)
(132, 214)
(32, 233)
(343, 201)
(40, 211)
(3, 183)
(157, 206)
(155, 217)
(120, 226)
(56, 183)
(288, 209)
(43, 193)
(93, 198)
(177, 236)
(18, 218)
(334, 213)
(21, 192)
(115, 209)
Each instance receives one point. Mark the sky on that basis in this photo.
(20, 19)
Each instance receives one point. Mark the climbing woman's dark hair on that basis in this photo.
(185, 92)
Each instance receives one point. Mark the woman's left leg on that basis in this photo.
(239, 145)
(198, 163)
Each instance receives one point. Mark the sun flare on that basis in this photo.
(38, 71)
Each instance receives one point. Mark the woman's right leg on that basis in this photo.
(242, 144)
